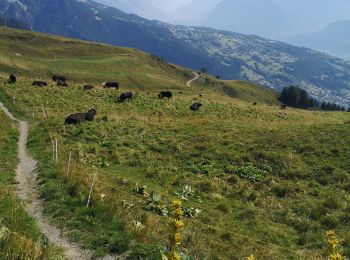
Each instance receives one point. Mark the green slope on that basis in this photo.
(268, 182)
(39, 56)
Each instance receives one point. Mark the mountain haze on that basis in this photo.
(334, 39)
(144, 8)
(276, 19)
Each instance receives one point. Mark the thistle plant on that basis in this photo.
(333, 242)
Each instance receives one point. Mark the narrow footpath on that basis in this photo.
(26, 177)
(196, 77)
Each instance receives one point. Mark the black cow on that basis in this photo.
(80, 117)
(12, 79)
(111, 84)
(127, 96)
(59, 78)
(196, 106)
(39, 83)
(62, 83)
(165, 94)
(88, 87)
(283, 106)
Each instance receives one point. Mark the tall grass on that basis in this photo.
(15, 246)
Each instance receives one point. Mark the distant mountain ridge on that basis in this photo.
(144, 8)
(276, 19)
(334, 39)
(227, 54)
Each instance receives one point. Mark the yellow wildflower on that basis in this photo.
(177, 239)
(178, 213)
(177, 204)
(179, 224)
(251, 257)
(333, 242)
(175, 256)
(336, 256)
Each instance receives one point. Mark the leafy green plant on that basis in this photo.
(155, 204)
(185, 193)
(250, 172)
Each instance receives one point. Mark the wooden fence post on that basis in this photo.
(44, 112)
(69, 160)
(56, 151)
(91, 188)
(52, 146)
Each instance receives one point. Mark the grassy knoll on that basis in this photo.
(263, 181)
(20, 237)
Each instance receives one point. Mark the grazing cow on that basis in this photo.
(61, 84)
(88, 87)
(127, 96)
(80, 117)
(165, 94)
(283, 106)
(111, 84)
(39, 83)
(12, 79)
(59, 78)
(195, 106)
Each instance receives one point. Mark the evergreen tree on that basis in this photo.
(333, 107)
(312, 102)
(294, 96)
(203, 70)
(303, 99)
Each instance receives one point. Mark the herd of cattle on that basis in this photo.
(77, 118)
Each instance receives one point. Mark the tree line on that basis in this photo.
(296, 97)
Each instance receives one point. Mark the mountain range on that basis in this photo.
(273, 19)
(305, 23)
(226, 54)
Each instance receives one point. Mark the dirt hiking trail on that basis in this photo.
(27, 179)
(196, 76)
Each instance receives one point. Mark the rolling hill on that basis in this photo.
(254, 179)
(39, 56)
(230, 55)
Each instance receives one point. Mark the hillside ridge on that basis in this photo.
(226, 54)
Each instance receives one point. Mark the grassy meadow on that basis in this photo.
(254, 179)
